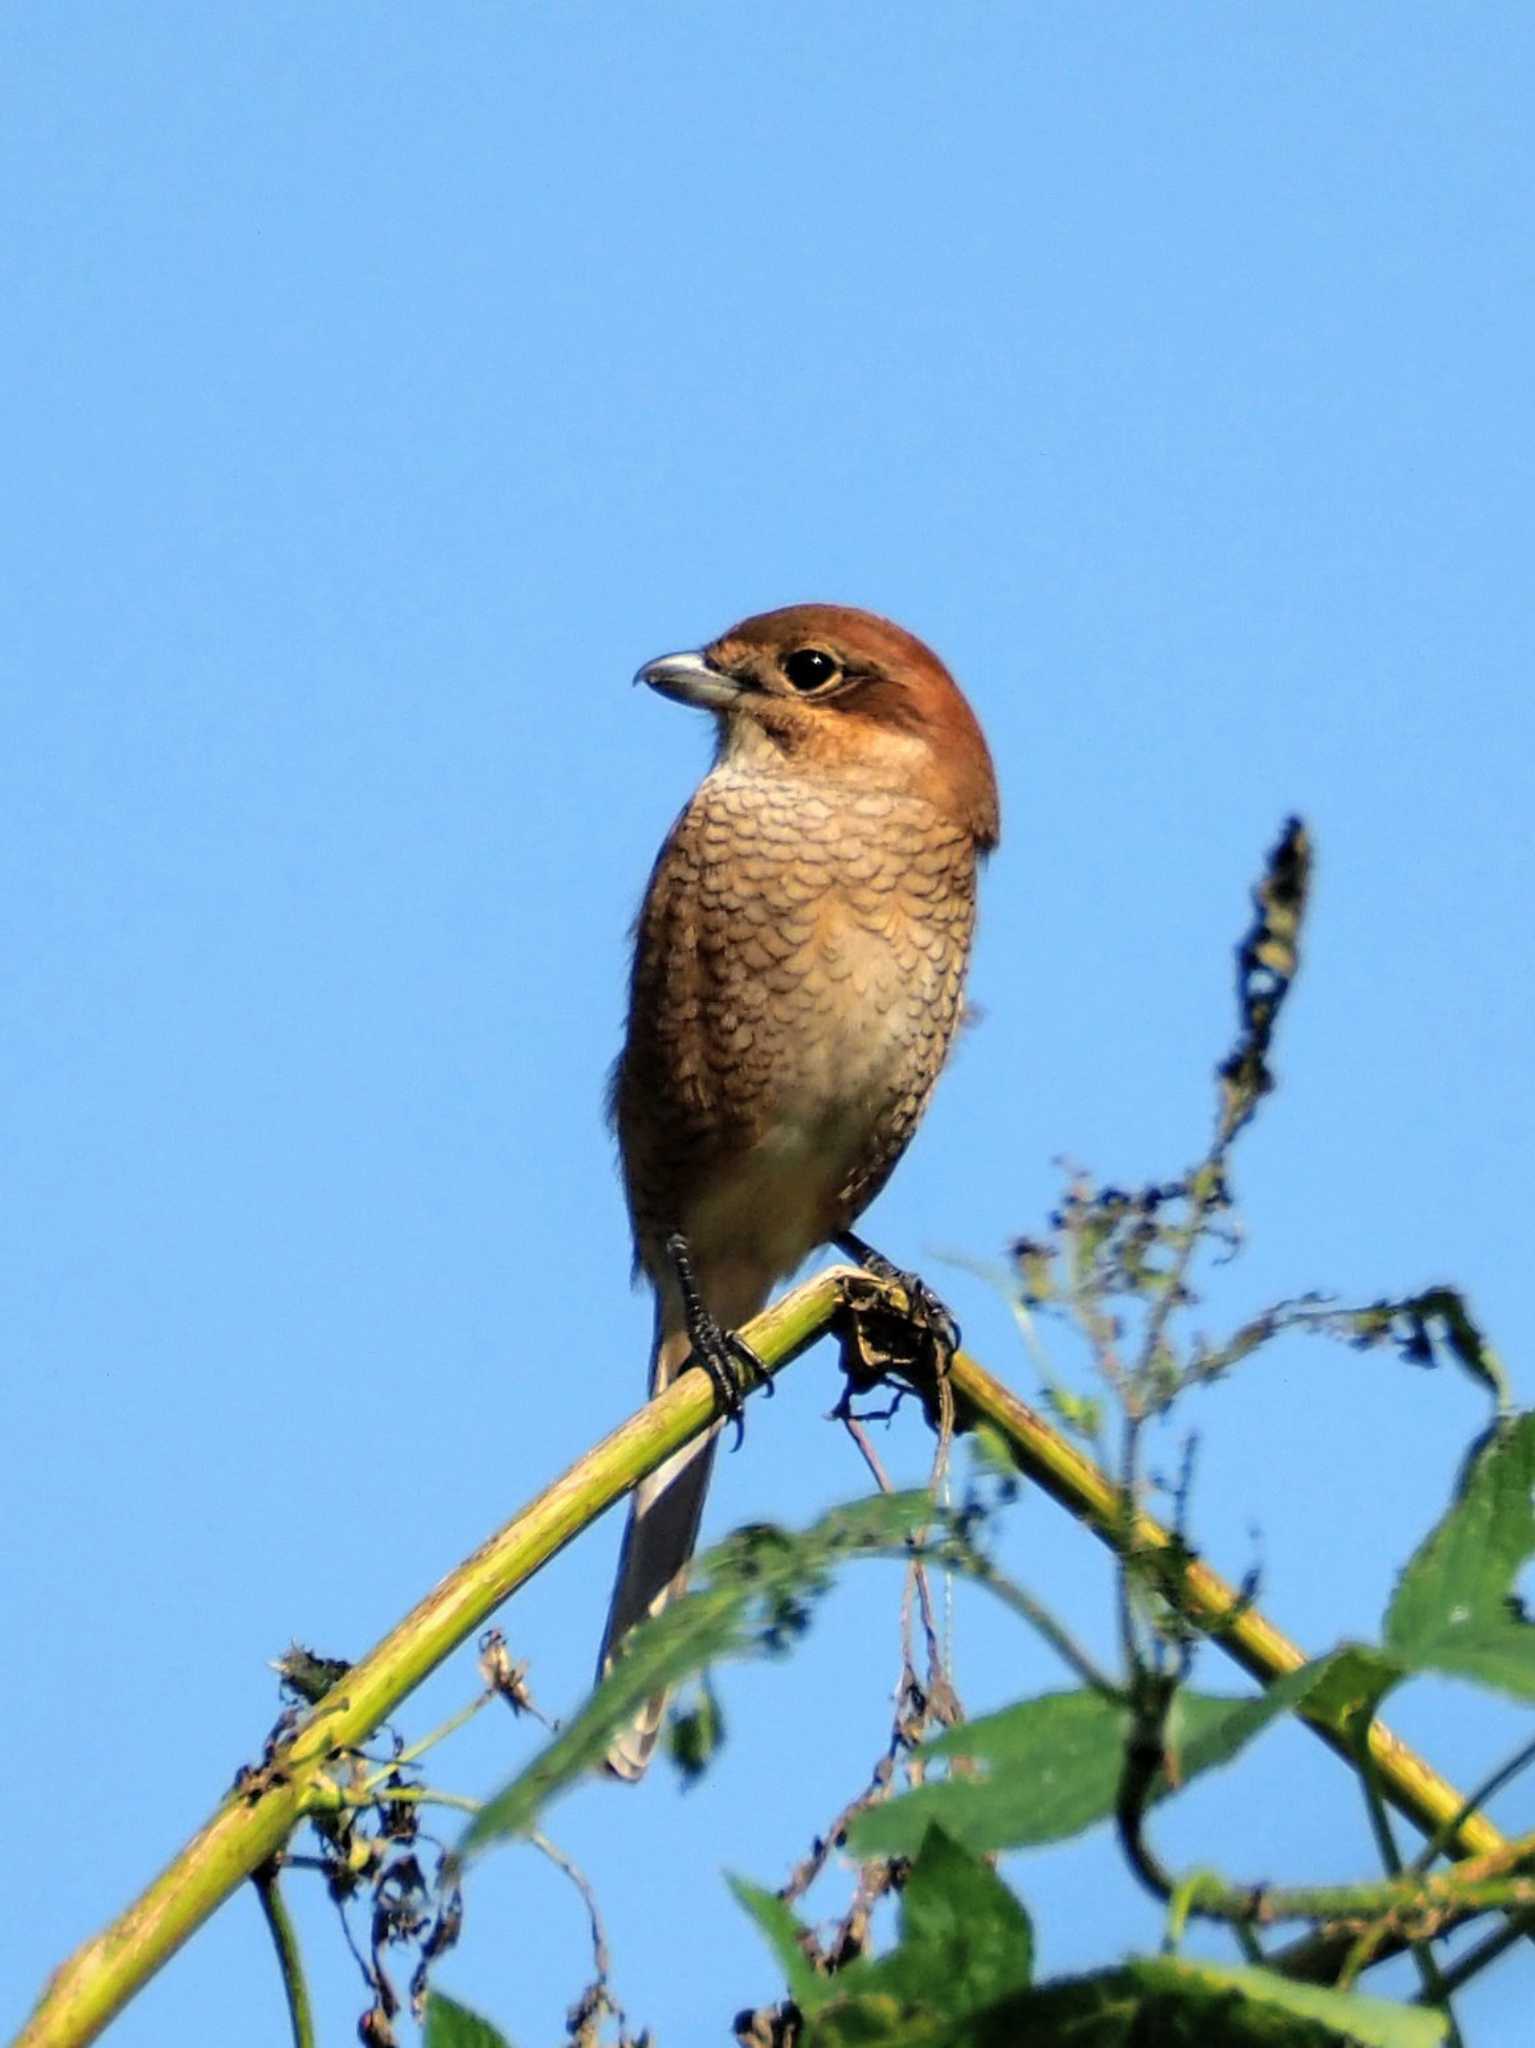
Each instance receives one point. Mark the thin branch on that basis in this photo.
(1416, 1909)
(601, 1962)
(1490, 1786)
(1044, 1624)
(429, 1741)
(1427, 1963)
(1453, 1976)
(414, 1795)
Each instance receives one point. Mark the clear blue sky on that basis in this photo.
(381, 386)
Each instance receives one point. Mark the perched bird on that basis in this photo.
(798, 971)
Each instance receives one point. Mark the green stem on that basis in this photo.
(1249, 1944)
(419, 1749)
(1490, 1786)
(1486, 1952)
(289, 1960)
(1445, 1898)
(1426, 1962)
(1044, 1623)
(414, 1795)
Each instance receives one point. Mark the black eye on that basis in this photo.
(808, 668)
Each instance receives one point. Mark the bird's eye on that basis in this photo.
(809, 668)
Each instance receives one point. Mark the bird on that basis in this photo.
(798, 975)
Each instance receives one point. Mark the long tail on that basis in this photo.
(664, 1513)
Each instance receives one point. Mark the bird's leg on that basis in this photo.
(925, 1312)
(731, 1364)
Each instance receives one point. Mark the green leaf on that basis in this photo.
(1052, 1766)
(1345, 2016)
(1454, 1607)
(1080, 1413)
(784, 1935)
(751, 1596)
(962, 1930)
(450, 2025)
(1207, 1730)
(965, 1939)
(1350, 1686)
(965, 1943)
(880, 2021)
(696, 1733)
(1180, 2004)
(1502, 1656)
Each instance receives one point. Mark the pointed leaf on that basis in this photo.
(881, 2021)
(1454, 1607)
(450, 2025)
(1053, 1765)
(1181, 2004)
(1211, 1729)
(784, 1935)
(965, 1940)
(1501, 1655)
(963, 1927)
(1345, 2016)
(1350, 1686)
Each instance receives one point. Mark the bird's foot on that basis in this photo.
(928, 1315)
(734, 1369)
(929, 1333)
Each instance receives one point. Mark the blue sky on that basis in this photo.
(381, 386)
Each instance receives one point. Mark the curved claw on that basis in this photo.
(730, 1362)
(926, 1312)
(733, 1369)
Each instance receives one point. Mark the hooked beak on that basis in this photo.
(689, 678)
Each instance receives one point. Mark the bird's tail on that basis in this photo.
(664, 1513)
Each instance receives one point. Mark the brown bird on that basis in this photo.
(799, 964)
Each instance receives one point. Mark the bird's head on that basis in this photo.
(822, 690)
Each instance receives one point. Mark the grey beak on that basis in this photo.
(689, 678)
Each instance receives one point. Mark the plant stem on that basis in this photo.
(1485, 1952)
(289, 1960)
(1489, 1787)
